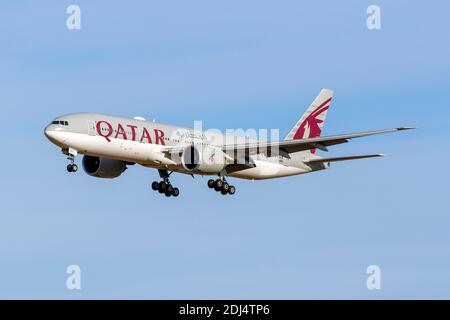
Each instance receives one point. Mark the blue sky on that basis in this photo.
(231, 64)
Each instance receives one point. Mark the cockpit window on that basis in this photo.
(63, 123)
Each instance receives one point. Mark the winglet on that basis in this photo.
(406, 128)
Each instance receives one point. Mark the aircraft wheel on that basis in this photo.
(225, 187)
(168, 194)
(162, 187)
(218, 185)
(169, 188)
(211, 183)
(175, 192)
(155, 186)
(232, 190)
(72, 167)
(223, 192)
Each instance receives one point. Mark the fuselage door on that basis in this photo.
(91, 127)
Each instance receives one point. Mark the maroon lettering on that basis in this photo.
(121, 131)
(133, 131)
(100, 133)
(159, 137)
(146, 135)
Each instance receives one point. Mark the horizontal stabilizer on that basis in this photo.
(322, 160)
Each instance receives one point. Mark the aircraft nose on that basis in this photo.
(47, 132)
(50, 133)
(56, 135)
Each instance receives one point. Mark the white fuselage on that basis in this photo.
(143, 142)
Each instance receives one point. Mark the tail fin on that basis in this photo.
(311, 123)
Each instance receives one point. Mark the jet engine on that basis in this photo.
(103, 167)
(203, 159)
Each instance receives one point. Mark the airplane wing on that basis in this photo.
(290, 146)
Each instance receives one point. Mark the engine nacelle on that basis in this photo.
(203, 159)
(103, 167)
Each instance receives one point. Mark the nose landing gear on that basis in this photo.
(165, 186)
(72, 167)
(71, 154)
(222, 186)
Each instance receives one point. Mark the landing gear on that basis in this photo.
(218, 184)
(71, 154)
(175, 192)
(72, 167)
(222, 186)
(225, 187)
(164, 186)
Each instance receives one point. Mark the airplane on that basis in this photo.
(110, 144)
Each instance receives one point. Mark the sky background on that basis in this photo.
(232, 64)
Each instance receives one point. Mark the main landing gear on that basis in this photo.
(165, 186)
(71, 154)
(222, 186)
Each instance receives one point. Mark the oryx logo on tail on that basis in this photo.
(311, 123)
(311, 127)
